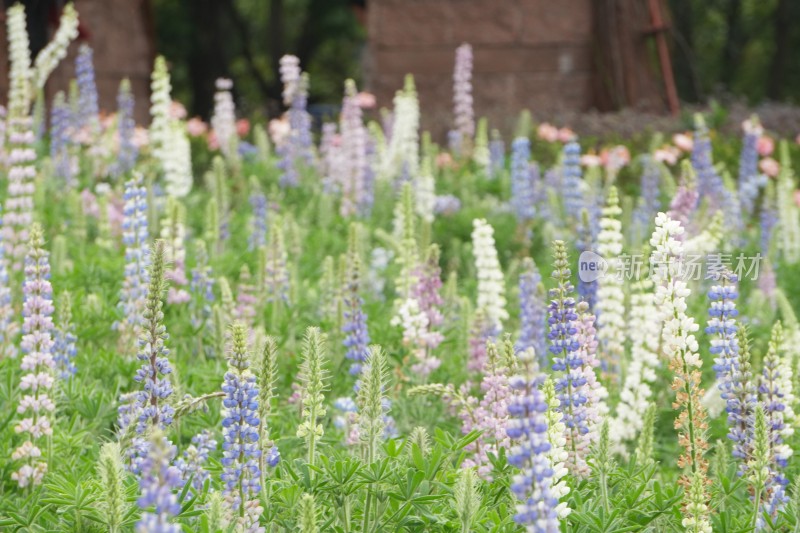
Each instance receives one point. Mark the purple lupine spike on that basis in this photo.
(64, 339)
(522, 188)
(258, 223)
(649, 201)
(355, 320)
(768, 219)
(297, 145)
(137, 256)
(60, 120)
(572, 182)
(246, 299)
(533, 312)
(527, 428)
(749, 176)
(241, 473)
(354, 170)
(587, 290)
(201, 288)
(158, 482)
(87, 114)
(126, 126)
(193, 463)
(734, 379)
(497, 155)
(462, 97)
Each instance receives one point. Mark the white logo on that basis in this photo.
(591, 266)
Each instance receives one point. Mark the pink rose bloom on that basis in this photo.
(765, 146)
(797, 197)
(797, 139)
(591, 160)
(547, 132)
(769, 166)
(683, 141)
(278, 129)
(176, 110)
(444, 160)
(667, 154)
(566, 135)
(365, 100)
(196, 127)
(242, 127)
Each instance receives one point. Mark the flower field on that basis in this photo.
(277, 326)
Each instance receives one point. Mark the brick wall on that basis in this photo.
(533, 54)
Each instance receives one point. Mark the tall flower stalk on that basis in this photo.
(38, 362)
(313, 376)
(137, 259)
(610, 306)
(680, 346)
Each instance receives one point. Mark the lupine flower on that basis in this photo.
(8, 324)
(151, 403)
(610, 304)
(680, 345)
(684, 203)
(224, 119)
(491, 283)
(313, 376)
(137, 257)
(749, 177)
(533, 313)
(467, 498)
(158, 481)
(405, 230)
(87, 115)
(64, 350)
(113, 504)
(522, 187)
(330, 157)
(557, 455)
(126, 126)
(193, 463)
(644, 326)
(425, 189)
(490, 416)
(48, 58)
(355, 328)
(595, 409)
(401, 160)
(447, 204)
(21, 174)
(241, 473)
(173, 233)
(373, 406)
(201, 287)
(353, 173)
(480, 151)
(775, 392)
(168, 138)
(527, 428)
(649, 201)
(347, 421)
(258, 222)
(246, 299)
(265, 368)
(709, 182)
(60, 125)
(788, 213)
(276, 268)
(572, 184)
(425, 293)
(37, 362)
(497, 155)
(308, 515)
(222, 201)
(462, 95)
(297, 146)
(586, 241)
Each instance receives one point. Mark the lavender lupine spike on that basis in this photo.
(60, 126)
(246, 300)
(684, 203)
(749, 176)
(193, 463)
(19, 200)
(137, 258)
(462, 97)
(201, 287)
(352, 181)
(768, 219)
(426, 293)
(522, 192)
(258, 222)
(527, 428)
(241, 473)
(649, 201)
(533, 312)
(297, 144)
(8, 324)
(571, 385)
(64, 339)
(572, 182)
(774, 392)
(497, 155)
(330, 157)
(152, 407)
(224, 119)
(38, 362)
(587, 290)
(158, 482)
(126, 126)
(355, 320)
(173, 232)
(87, 114)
